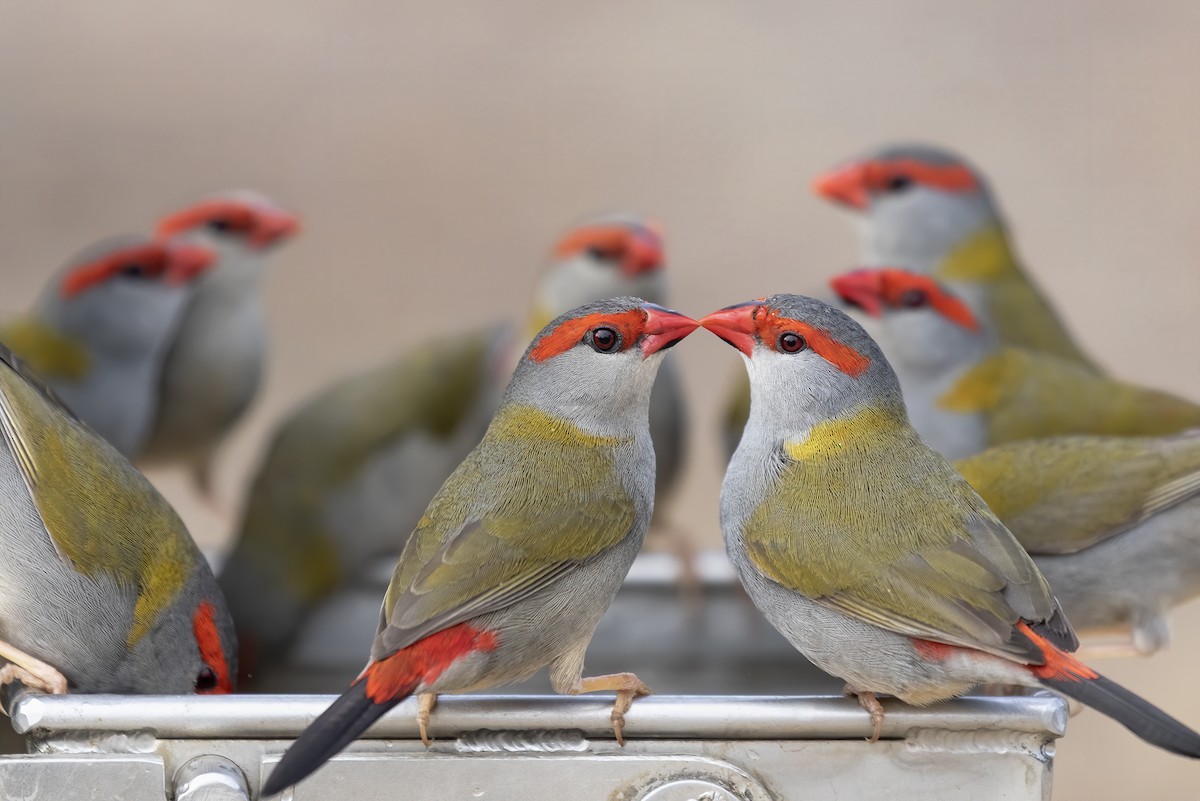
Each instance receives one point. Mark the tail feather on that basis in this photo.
(1136, 714)
(338, 726)
(1062, 672)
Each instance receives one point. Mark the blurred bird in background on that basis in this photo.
(100, 332)
(966, 390)
(1112, 522)
(216, 360)
(353, 468)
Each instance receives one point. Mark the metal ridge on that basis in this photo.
(676, 717)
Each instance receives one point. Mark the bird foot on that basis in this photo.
(869, 702)
(425, 704)
(628, 687)
(30, 671)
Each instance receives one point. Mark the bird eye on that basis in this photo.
(791, 342)
(602, 254)
(899, 182)
(206, 680)
(133, 269)
(605, 340)
(914, 298)
(219, 224)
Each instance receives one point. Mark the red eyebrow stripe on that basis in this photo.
(604, 237)
(897, 282)
(239, 214)
(152, 255)
(771, 324)
(209, 641)
(569, 333)
(950, 177)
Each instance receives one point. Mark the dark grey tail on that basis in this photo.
(338, 726)
(1136, 714)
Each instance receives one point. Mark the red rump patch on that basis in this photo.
(900, 288)
(423, 661)
(1057, 664)
(151, 259)
(770, 324)
(209, 641)
(630, 325)
(933, 651)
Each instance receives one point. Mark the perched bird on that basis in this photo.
(865, 548)
(101, 588)
(965, 391)
(101, 328)
(927, 210)
(216, 360)
(356, 465)
(1113, 523)
(522, 549)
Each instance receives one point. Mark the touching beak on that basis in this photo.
(272, 225)
(664, 328)
(643, 254)
(862, 288)
(735, 325)
(845, 185)
(186, 262)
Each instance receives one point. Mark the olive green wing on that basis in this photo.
(1027, 395)
(906, 546)
(102, 516)
(284, 540)
(537, 499)
(1064, 494)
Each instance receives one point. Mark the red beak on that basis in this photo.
(186, 262)
(735, 325)
(862, 288)
(664, 328)
(845, 185)
(273, 225)
(643, 253)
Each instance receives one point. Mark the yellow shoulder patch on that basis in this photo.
(830, 438)
(982, 387)
(48, 352)
(983, 256)
(519, 422)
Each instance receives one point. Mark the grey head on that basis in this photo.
(807, 361)
(192, 647)
(121, 300)
(916, 203)
(241, 225)
(595, 365)
(927, 328)
(614, 255)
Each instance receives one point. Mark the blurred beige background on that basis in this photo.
(435, 150)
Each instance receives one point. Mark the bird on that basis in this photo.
(865, 548)
(925, 209)
(99, 331)
(359, 461)
(967, 391)
(216, 360)
(1113, 523)
(102, 590)
(522, 549)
